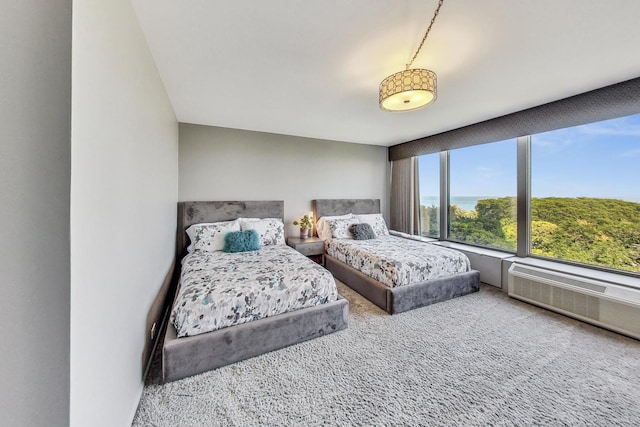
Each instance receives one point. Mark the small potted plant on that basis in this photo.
(306, 224)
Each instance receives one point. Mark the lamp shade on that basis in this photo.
(408, 90)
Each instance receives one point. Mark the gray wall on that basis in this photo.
(230, 164)
(124, 189)
(35, 119)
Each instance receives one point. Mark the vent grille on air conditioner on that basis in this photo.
(575, 296)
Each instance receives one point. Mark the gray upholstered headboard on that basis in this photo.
(190, 213)
(329, 207)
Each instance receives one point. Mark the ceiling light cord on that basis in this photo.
(435, 15)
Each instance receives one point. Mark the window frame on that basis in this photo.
(523, 210)
(445, 205)
(439, 190)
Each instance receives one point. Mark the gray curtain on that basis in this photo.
(405, 196)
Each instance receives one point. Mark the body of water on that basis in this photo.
(468, 203)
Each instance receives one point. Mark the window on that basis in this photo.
(585, 188)
(482, 189)
(429, 176)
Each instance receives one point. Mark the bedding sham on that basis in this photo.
(341, 228)
(219, 289)
(395, 261)
(376, 221)
(323, 226)
(210, 236)
(270, 230)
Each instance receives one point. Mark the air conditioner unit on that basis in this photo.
(604, 304)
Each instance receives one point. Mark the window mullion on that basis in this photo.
(444, 195)
(524, 196)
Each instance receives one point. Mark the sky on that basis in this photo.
(599, 159)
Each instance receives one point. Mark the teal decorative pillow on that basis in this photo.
(241, 241)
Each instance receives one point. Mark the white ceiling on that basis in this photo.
(312, 67)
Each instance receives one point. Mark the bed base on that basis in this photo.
(404, 298)
(186, 356)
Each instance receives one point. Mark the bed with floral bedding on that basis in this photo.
(232, 305)
(395, 261)
(221, 289)
(395, 273)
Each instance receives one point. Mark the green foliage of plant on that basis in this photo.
(491, 224)
(602, 232)
(305, 223)
(430, 220)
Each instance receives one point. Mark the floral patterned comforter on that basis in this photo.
(221, 289)
(395, 261)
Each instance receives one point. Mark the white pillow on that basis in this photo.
(210, 236)
(376, 221)
(340, 227)
(270, 230)
(258, 219)
(324, 230)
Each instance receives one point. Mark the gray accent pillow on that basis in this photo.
(362, 231)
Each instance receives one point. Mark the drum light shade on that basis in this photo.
(408, 90)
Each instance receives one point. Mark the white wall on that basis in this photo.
(229, 164)
(35, 120)
(123, 208)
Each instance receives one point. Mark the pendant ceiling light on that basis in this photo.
(412, 88)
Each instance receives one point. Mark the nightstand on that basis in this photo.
(312, 247)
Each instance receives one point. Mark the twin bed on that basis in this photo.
(232, 306)
(394, 273)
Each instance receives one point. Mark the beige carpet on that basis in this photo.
(482, 359)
